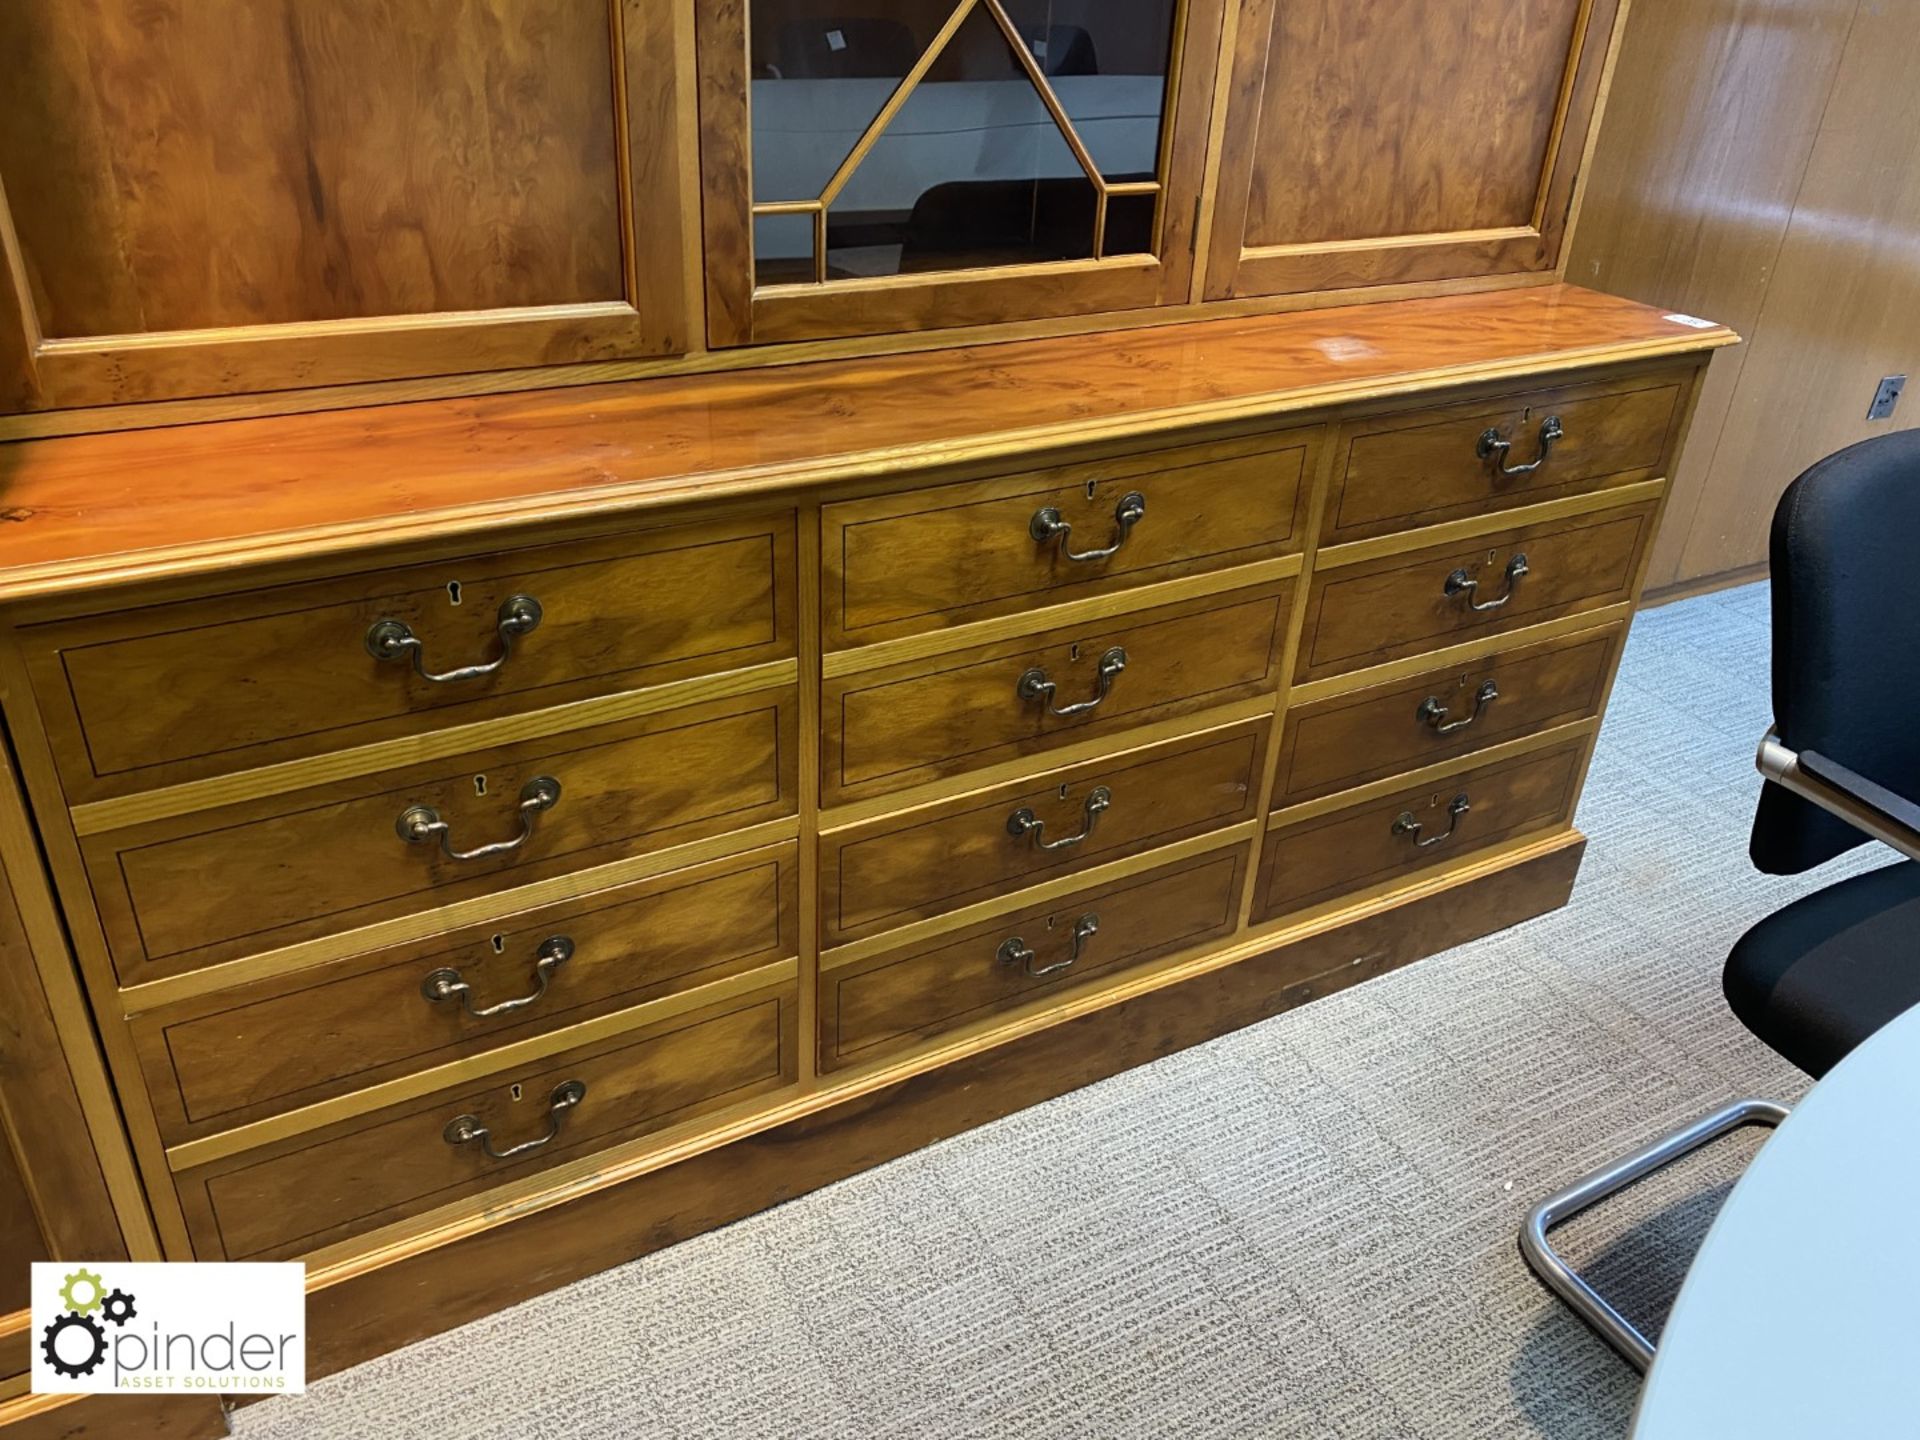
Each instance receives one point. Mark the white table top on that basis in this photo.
(1801, 1313)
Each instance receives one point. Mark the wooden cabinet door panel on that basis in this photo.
(1402, 140)
(236, 195)
(55, 1203)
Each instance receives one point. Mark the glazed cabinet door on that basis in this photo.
(209, 196)
(911, 164)
(1401, 141)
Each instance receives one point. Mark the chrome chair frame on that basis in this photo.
(1566, 1282)
(1868, 807)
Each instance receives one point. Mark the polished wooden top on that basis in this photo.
(91, 510)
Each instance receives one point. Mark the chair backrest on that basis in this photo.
(1845, 556)
(1070, 51)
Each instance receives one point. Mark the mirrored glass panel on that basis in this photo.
(923, 135)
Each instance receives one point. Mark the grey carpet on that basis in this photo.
(1303, 1229)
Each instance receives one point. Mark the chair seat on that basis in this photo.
(1815, 979)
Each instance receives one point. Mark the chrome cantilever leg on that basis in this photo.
(1563, 1279)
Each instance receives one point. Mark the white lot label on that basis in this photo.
(118, 1328)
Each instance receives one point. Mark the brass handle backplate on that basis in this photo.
(1433, 714)
(448, 984)
(395, 640)
(1034, 684)
(1495, 448)
(1015, 951)
(422, 825)
(1046, 527)
(467, 1129)
(1024, 822)
(1405, 824)
(1461, 583)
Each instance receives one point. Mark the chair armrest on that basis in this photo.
(1890, 806)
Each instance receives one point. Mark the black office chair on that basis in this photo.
(1070, 51)
(1816, 978)
(966, 223)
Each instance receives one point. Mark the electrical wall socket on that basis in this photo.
(1886, 397)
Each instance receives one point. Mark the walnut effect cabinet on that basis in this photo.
(614, 610)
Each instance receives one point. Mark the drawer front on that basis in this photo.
(1401, 471)
(194, 890)
(926, 559)
(892, 727)
(903, 868)
(176, 692)
(1386, 840)
(317, 1189)
(237, 1056)
(1366, 735)
(887, 1003)
(1398, 605)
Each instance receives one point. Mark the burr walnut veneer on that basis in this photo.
(500, 836)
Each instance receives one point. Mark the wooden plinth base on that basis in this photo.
(113, 1417)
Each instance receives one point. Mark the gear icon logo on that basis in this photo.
(76, 1342)
(83, 1292)
(62, 1363)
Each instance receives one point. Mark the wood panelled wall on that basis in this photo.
(1760, 164)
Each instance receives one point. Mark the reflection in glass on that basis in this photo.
(817, 86)
(1108, 64)
(971, 166)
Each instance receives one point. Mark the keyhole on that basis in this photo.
(499, 943)
(1049, 922)
(479, 784)
(514, 1091)
(453, 592)
(1091, 486)
(1063, 792)
(1073, 654)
